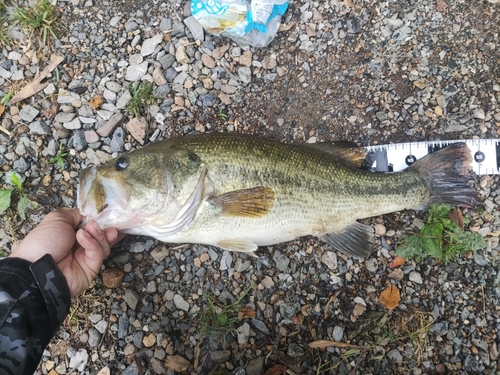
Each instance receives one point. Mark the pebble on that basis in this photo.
(136, 72)
(137, 129)
(28, 113)
(329, 258)
(243, 333)
(180, 302)
(415, 277)
(149, 45)
(131, 298)
(394, 355)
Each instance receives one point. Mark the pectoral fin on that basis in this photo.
(355, 240)
(242, 246)
(254, 202)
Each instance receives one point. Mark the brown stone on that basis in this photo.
(112, 277)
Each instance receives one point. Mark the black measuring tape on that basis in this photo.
(398, 156)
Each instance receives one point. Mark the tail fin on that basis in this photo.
(447, 172)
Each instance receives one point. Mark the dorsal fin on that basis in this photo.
(349, 153)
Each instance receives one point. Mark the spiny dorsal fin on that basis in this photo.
(355, 240)
(254, 202)
(346, 151)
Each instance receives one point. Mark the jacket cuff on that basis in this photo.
(54, 288)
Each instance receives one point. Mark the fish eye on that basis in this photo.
(121, 163)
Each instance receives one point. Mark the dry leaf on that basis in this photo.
(245, 312)
(276, 370)
(457, 217)
(35, 86)
(176, 363)
(96, 102)
(396, 262)
(322, 344)
(2, 109)
(390, 297)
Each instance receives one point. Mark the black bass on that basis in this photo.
(238, 192)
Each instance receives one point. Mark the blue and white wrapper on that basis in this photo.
(248, 22)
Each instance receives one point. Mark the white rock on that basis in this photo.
(136, 72)
(415, 277)
(149, 45)
(180, 302)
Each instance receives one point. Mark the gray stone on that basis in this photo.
(39, 128)
(243, 333)
(338, 333)
(131, 26)
(415, 277)
(480, 259)
(118, 140)
(28, 113)
(79, 360)
(149, 45)
(73, 125)
(395, 356)
(67, 97)
(166, 61)
(402, 33)
(123, 325)
(123, 100)
(86, 111)
(245, 74)
(94, 337)
(287, 310)
(255, 366)
(196, 29)
(21, 165)
(260, 326)
(371, 265)
(63, 117)
(136, 72)
(282, 261)
(131, 298)
(162, 91)
(115, 21)
(165, 24)
(180, 302)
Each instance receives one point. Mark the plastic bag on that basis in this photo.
(247, 22)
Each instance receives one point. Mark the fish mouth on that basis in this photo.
(102, 199)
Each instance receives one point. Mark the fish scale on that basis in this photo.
(238, 192)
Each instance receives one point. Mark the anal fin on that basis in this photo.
(254, 202)
(242, 246)
(356, 240)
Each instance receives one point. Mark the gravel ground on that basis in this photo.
(370, 72)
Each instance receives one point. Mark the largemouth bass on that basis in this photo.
(238, 192)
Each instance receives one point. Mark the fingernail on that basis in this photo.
(85, 233)
(97, 228)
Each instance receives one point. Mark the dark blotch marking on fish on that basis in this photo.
(102, 208)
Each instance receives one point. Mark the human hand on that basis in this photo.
(78, 254)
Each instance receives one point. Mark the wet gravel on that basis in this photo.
(370, 72)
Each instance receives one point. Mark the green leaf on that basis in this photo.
(431, 239)
(5, 198)
(438, 211)
(21, 206)
(15, 179)
(412, 248)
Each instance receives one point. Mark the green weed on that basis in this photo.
(141, 96)
(59, 158)
(4, 28)
(222, 115)
(441, 237)
(6, 99)
(220, 319)
(40, 20)
(23, 203)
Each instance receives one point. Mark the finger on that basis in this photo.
(94, 253)
(72, 216)
(113, 236)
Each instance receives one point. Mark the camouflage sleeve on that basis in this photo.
(34, 300)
